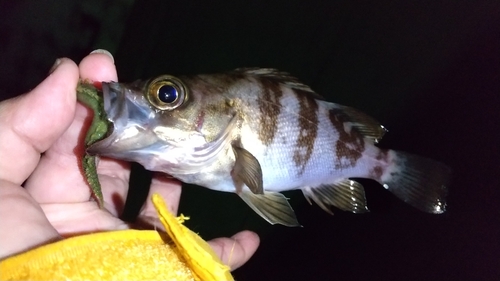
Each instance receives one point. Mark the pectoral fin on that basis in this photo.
(272, 206)
(346, 195)
(247, 170)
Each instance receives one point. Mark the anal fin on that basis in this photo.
(271, 206)
(347, 195)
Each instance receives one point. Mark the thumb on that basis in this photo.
(237, 250)
(30, 123)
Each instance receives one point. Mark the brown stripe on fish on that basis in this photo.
(377, 171)
(350, 145)
(270, 108)
(308, 123)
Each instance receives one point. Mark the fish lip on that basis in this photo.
(110, 95)
(111, 99)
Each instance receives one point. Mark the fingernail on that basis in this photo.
(55, 65)
(102, 51)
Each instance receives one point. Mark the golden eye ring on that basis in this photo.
(166, 92)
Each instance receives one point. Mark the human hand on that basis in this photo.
(41, 136)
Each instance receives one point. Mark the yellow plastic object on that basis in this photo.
(122, 255)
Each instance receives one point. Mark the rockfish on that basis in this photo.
(259, 131)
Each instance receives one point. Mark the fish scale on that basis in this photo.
(257, 132)
(279, 172)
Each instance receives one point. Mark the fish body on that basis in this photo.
(257, 132)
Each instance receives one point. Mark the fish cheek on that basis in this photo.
(213, 118)
(183, 118)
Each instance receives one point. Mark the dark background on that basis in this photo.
(428, 70)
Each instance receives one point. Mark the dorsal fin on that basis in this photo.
(281, 77)
(361, 122)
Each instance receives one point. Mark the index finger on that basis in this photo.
(58, 172)
(98, 66)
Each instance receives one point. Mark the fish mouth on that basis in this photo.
(110, 97)
(111, 101)
(128, 114)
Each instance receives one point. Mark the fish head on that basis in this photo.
(166, 123)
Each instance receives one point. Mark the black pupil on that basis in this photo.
(167, 93)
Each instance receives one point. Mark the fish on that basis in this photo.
(257, 132)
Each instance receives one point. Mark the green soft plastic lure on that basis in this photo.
(89, 95)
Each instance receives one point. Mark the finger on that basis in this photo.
(58, 178)
(170, 190)
(98, 66)
(237, 250)
(114, 177)
(32, 122)
(24, 225)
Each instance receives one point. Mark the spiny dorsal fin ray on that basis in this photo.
(364, 124)
(247, 170)
(281, 77)
(347, 195)
(271, 206)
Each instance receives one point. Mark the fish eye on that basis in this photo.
(166, 92)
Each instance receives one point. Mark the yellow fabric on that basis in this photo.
(198, 254)
(122, 255)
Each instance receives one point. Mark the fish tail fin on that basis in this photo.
(418, 181)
